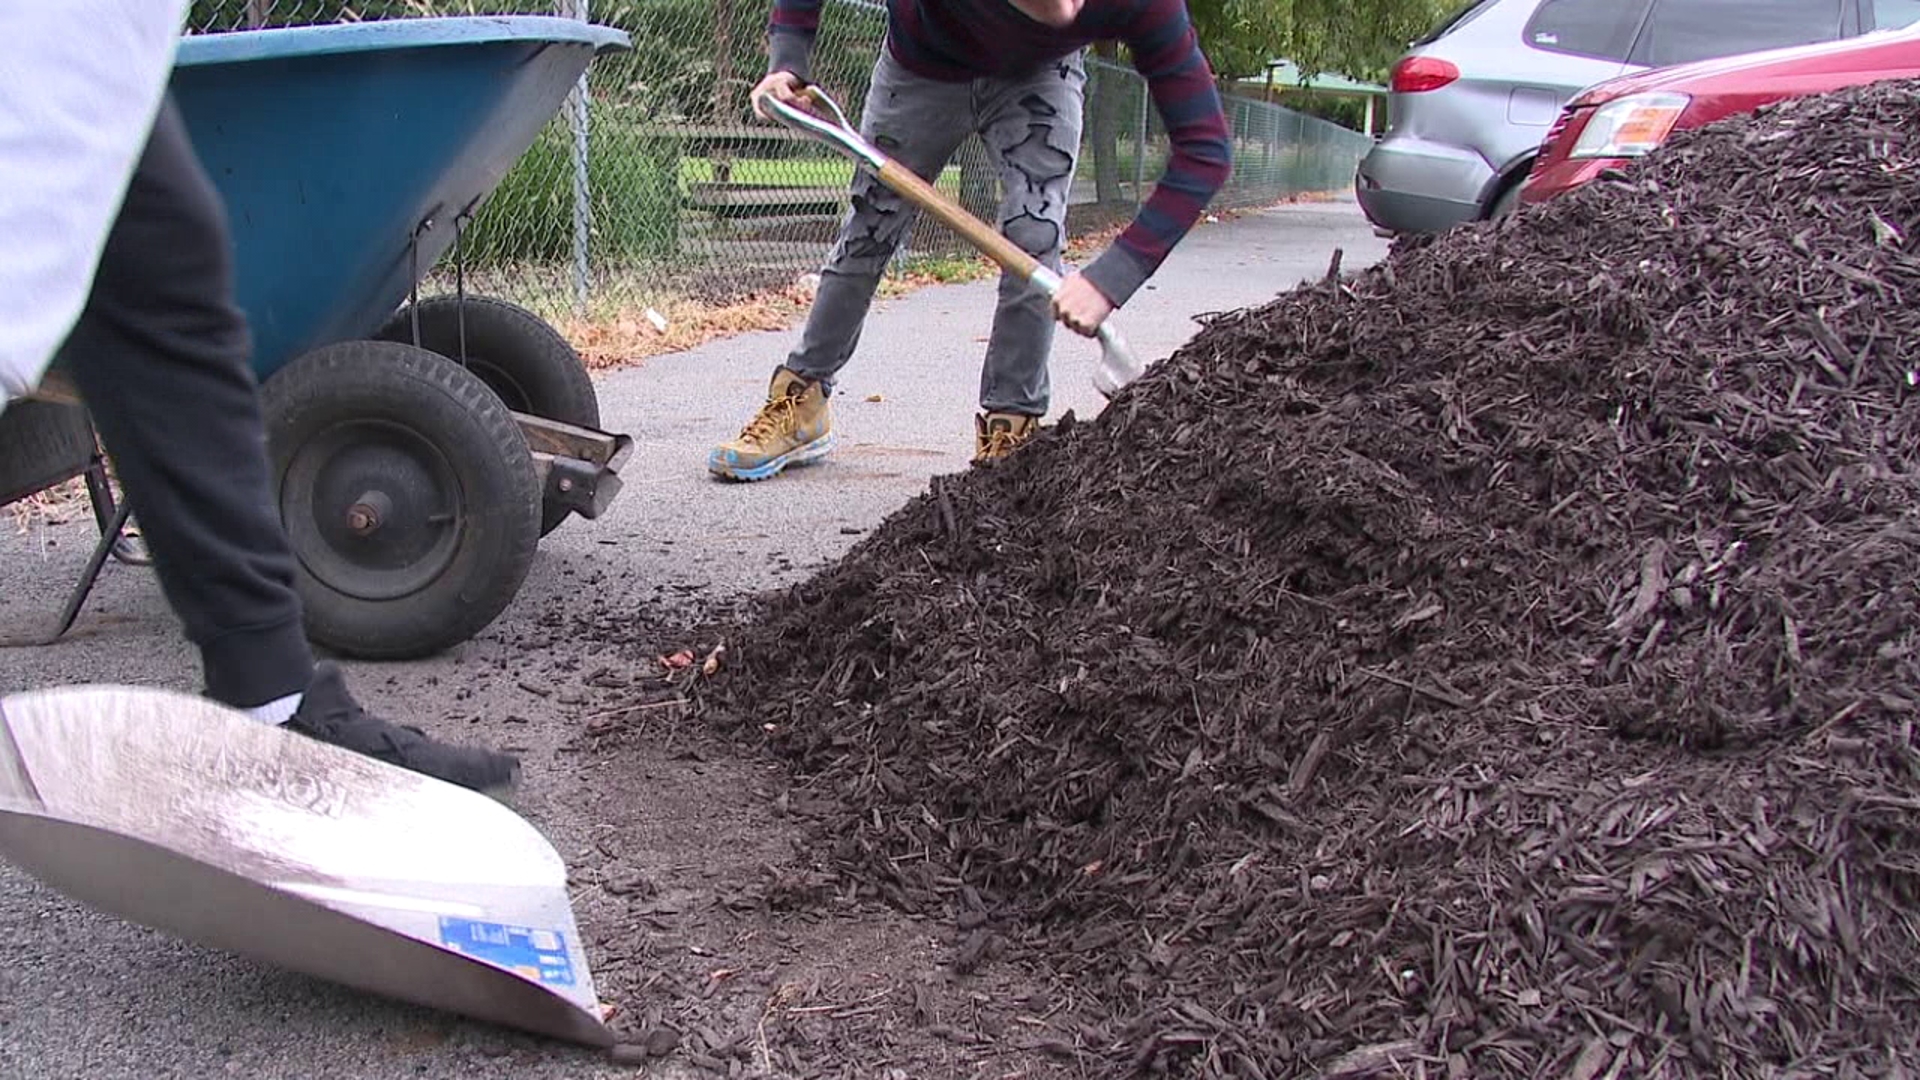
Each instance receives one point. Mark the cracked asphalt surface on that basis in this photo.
(83, 995)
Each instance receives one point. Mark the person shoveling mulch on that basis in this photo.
(1498, 663)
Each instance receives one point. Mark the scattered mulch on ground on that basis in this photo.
(719, 942)
(1498, 663)
(722, 953)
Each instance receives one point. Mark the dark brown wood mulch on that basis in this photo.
(1499, 663)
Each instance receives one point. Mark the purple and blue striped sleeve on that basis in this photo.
(790, 33)
(1166, 52)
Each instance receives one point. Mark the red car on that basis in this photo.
(1612, 122)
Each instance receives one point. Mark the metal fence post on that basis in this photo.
(577, 112)
(1140, 151)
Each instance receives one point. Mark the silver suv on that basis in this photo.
(1473, 98)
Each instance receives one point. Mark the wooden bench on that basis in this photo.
(718, 143)
(721, 144)
(750, 200)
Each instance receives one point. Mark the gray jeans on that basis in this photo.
(1031, 129)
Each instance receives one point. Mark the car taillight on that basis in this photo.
(1419, 74)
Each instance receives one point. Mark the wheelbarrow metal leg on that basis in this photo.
(105, 513)
(109, 538)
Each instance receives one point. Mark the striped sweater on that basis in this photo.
(955, 40)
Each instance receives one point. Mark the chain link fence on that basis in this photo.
(657, 181)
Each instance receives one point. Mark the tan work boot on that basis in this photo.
(997, 434)
(794, 427)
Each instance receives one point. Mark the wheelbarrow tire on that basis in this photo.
(529, 364)
(42, 444)
(409, 494)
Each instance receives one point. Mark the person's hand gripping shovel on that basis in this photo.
(822, 118)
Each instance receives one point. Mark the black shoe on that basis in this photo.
(328, 713)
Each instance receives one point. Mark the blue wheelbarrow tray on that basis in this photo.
(346, 153)
(349, 156)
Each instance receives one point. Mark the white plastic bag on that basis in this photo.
(80, 84)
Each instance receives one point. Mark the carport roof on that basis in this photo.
(1286, 74)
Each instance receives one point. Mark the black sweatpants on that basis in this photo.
(161, 357)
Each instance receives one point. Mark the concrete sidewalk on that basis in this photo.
(920, 356)
(86, 996)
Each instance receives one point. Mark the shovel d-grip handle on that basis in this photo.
(1118, 365)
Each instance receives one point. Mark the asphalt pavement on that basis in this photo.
(82, 995)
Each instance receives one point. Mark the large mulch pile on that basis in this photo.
(1499, 663)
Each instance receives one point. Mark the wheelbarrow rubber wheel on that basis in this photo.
(518, 354)
(408, 492)
(42, 444)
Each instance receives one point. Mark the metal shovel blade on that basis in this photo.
(175, 813)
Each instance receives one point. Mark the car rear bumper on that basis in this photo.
(1399, 212)
(1408, 185)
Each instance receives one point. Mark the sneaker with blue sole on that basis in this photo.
(793, 427)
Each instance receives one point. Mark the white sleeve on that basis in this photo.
(80, 84)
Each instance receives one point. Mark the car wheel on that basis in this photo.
(1508, 202)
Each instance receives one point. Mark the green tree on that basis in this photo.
(1358, 38)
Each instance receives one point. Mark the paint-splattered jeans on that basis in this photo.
(1031, 129)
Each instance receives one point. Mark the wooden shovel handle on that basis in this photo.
(826, 121)
(978, 233)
